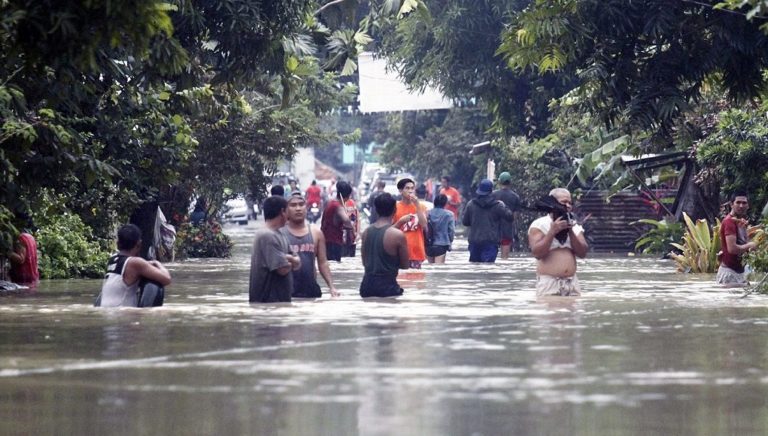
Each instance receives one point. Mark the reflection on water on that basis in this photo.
(467, 350)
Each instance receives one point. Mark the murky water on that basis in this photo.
(467, 351)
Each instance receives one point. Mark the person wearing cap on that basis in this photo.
(510, 199)
(411, 217)
(556, 257)
(335, 220)
(482, 216)
(306, 241)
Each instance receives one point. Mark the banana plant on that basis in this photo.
(699, 247)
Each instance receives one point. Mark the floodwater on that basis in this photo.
(468, 350)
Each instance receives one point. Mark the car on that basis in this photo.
(236, 210)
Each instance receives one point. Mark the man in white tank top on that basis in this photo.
(125, 270)
(556, 265)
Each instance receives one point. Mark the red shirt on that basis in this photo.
(730, 226)
(313, 195)
(331, 226)
(453, 197)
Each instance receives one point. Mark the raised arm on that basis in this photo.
(579, 244)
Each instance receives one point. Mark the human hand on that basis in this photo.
(295, 261)
(559, 225)
(749, 246)
(334, 293)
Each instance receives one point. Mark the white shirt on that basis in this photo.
(545, 223)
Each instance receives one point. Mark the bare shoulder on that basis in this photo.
(395, 233)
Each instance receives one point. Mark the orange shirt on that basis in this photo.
(414, 233)
(453, 197)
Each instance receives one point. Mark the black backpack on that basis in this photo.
(429, 233)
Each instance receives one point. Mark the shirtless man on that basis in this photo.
(308, 242)
(556, 266)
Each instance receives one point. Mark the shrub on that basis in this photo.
(660, 237)
(68, 248)
(699, 247)
(205, 240)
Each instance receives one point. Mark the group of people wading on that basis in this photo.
(288, 252)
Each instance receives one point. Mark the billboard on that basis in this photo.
(384, 91)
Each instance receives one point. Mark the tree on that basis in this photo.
(454, 49)
(643, 62)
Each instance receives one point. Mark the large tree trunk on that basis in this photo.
(698, 203)
(144, 218)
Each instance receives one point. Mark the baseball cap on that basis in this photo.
(505, 177)
(485, 187)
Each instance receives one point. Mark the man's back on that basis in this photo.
(268, 255)
(482, 216)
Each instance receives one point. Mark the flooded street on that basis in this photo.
(468, 350)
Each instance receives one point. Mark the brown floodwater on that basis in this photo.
(468, 350)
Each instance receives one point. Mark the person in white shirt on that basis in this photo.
(555, 242)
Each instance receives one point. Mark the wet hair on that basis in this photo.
(401, 184)
(447, 178)
(421, 191)
(343, 189)
(441, 200)
(739, 193)
(277, 190)
(128, 236)
(385, 205)
(273, 206)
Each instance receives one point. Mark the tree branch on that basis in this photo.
(327, 5)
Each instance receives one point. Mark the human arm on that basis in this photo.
(403, 220)
(451, 228)
(504, 212)
(421, 214)
(735, 248)
(277, 256)
(402, 251)
(138, 268)
(578, 243)
(322, 261)
(18, 255)
(454, 199)
(541, 242)
(466, 219)
(362, 244)
(343, 217)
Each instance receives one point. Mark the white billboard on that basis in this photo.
(384, 91)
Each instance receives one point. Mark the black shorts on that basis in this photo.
(334, 251)
(348, 250)
(437, 250)
(380, 285)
